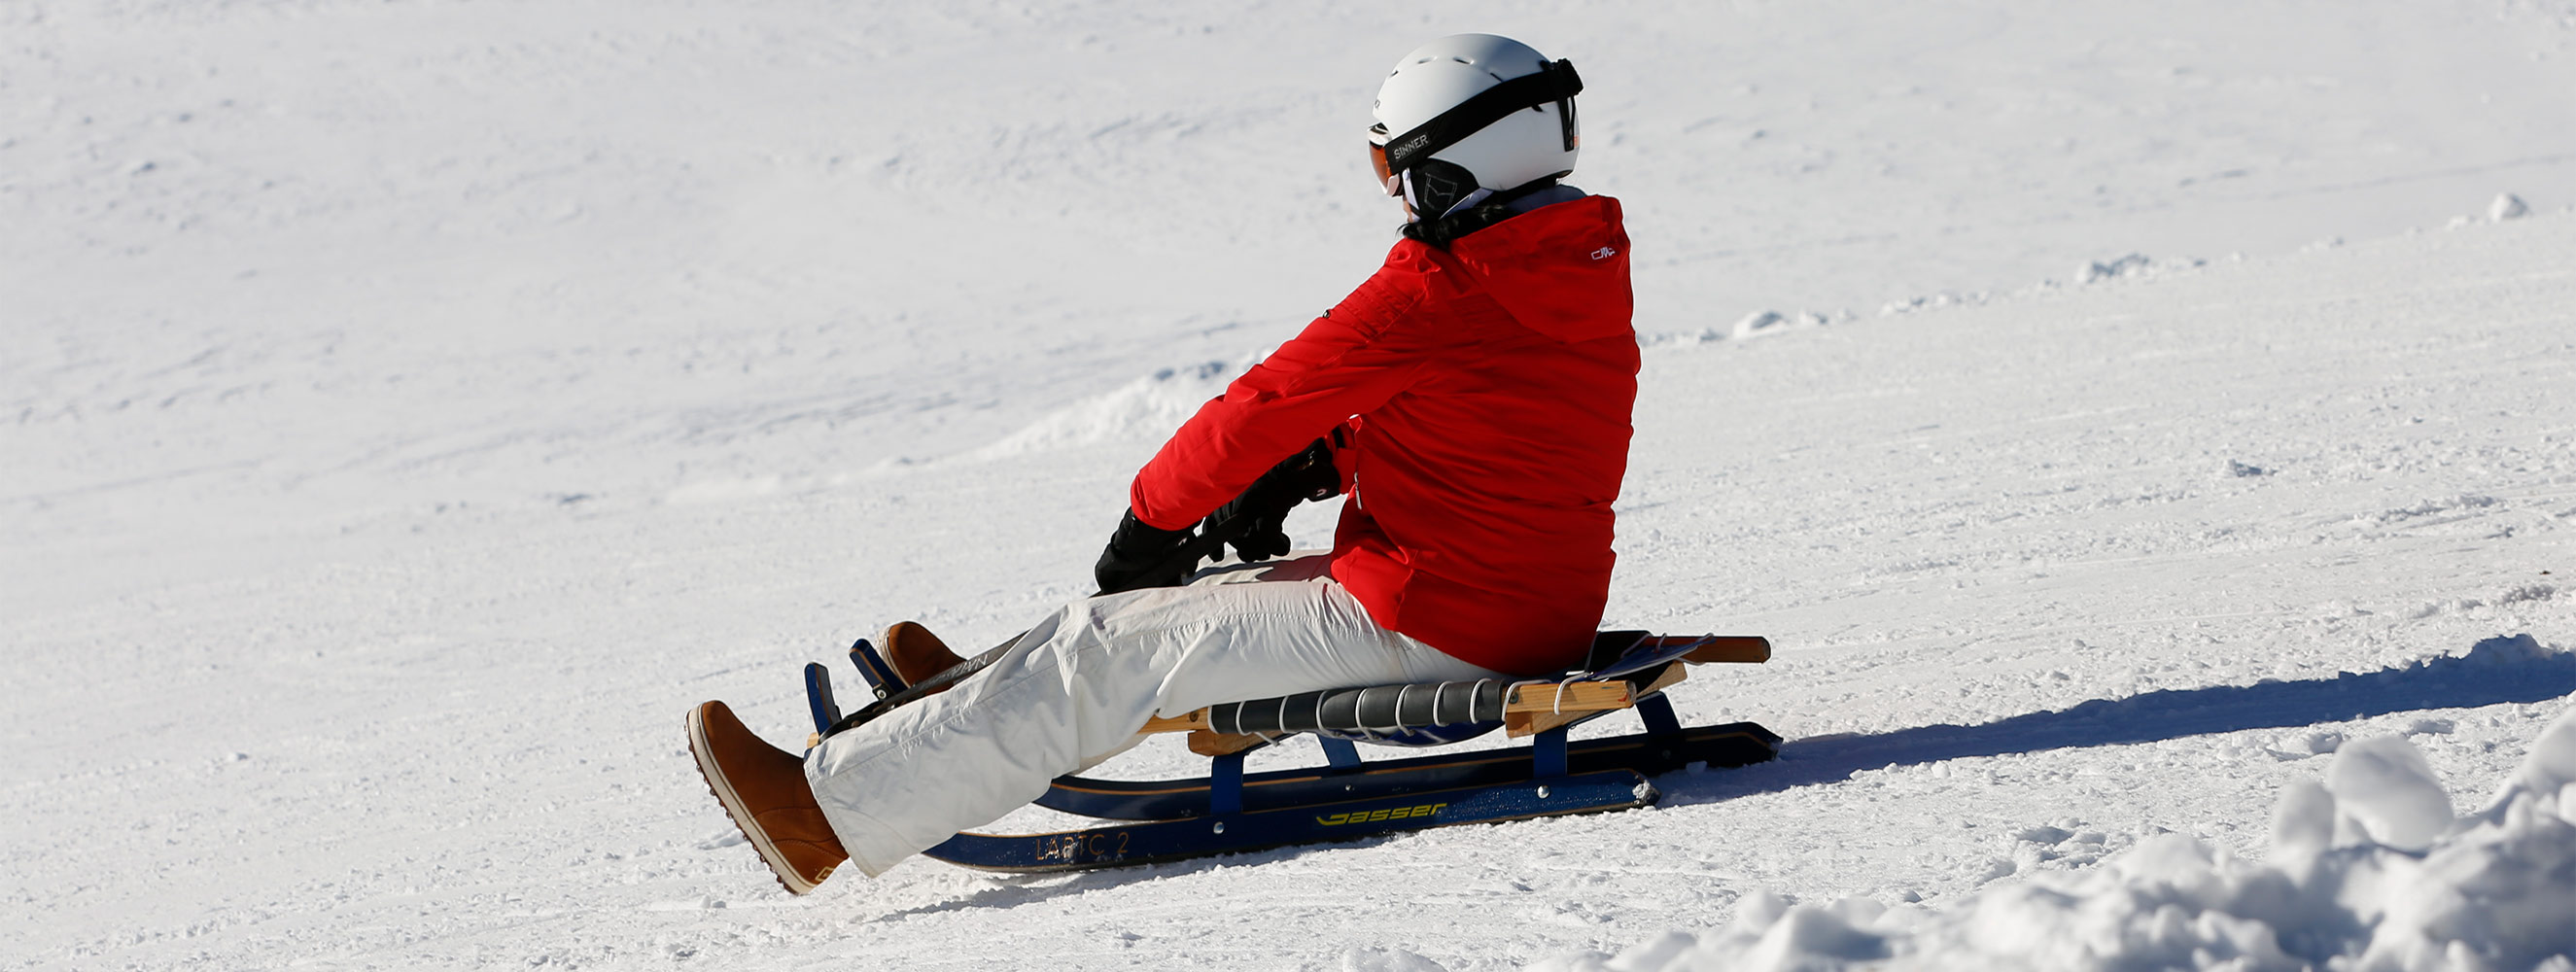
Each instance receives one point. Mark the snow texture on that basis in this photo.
(408, 409)
(2489, 891)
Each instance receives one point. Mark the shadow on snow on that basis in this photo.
(2494, 671)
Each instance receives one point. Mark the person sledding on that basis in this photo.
(1472, 399)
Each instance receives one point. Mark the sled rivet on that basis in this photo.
(1542, 793)
(1220, 826)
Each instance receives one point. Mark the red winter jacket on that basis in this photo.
(1490, 388)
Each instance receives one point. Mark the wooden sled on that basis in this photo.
(1349, 799)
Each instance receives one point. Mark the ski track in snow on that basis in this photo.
(409, 410)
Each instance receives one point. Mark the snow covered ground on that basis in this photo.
(407, 410)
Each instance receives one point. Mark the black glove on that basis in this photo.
(1263, 507)
(1141, 556)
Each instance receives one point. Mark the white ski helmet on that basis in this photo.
(1471, 115)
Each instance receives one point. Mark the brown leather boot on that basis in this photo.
(915, 653)
(763, 789)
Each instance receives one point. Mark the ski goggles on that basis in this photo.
(1377, 159)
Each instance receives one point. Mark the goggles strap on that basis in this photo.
(1555, 82)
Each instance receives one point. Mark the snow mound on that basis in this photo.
(1760, 323)
(1765, 322)
(1387, 960)
(2131, 266)
(2416, 514)
(2369, 871)
(1146, 408)
(2383, 785)
(1934, 302)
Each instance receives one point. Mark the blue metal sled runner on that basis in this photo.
(1349, 799)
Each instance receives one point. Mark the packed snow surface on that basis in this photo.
(2144, 430)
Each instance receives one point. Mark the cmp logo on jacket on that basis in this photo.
(1374, 816)
(1605, 253)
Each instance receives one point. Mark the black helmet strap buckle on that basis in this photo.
(1555, 81)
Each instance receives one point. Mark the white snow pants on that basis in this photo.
(1075, 689)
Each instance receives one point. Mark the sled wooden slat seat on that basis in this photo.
(1528, 708)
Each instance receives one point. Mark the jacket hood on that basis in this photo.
(1561, 270)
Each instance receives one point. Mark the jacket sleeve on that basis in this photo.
(1345, 363)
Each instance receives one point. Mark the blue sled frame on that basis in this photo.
(1229, 811)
